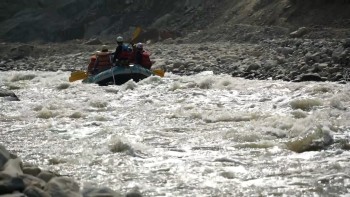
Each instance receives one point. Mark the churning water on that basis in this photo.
(200, 135)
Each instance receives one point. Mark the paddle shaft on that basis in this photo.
(110, 60)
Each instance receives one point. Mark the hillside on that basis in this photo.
(56, 21)
(291, 40)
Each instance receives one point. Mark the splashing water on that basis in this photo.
(200, 135)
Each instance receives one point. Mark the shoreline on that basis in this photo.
(288, 59)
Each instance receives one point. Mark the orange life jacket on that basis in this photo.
(103, 61)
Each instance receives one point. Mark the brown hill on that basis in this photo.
(50, 20)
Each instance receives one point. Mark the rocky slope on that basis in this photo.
(50, 20)
(281, 59)
(291, 40)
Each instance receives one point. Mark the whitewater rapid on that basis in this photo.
(199, 135)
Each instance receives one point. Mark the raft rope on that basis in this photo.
(110, 60)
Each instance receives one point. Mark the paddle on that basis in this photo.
(136, 34)
(158, 72)
(77, 75)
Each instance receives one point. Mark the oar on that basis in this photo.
(158, 72)
(77, 75)
(136, 34)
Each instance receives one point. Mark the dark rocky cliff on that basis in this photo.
(50, 20)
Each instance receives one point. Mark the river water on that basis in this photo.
(199, 135)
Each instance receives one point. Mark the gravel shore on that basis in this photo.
(289, 59)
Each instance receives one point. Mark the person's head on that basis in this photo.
(120, 40)
(104, 48)
(139, 46)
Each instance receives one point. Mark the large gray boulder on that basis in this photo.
(63, 187)
(96, 192)
(9, 184)
(4, 156)
(8, 95)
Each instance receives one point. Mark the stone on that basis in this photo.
(31, 170)
(14, 195)
(32, 191)
(10, 96)
(13, 167)
(30, 180)
(346, 43)
(4, 153)
(21, 51)
(46, 175)
(93, 41)
(285, 50)
(253, 66)
(299, 32)
(309, 77)
(134, 194)
(100, 192)
(9, 184)
(63, 187)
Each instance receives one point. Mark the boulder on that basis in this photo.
(30, 180)
(299, 32)
(34, 171)
(4, 155)
(32, 191)
(346, 43)
(309, 77)
(63, 187)
(46, 175)
(13, 167)
(9, 184)
(15, 195)
(93, 41)
(8, 95)
(95, 192)
(21, 51)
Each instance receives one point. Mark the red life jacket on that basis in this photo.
(146, 61)
(125, 53)
(91, 64)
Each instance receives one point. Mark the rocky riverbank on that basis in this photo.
(18, 179)
(289, 59)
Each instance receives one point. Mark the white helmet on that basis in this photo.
(120, 39)
(139, 45)
(104, 48)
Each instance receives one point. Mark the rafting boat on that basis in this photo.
(119, 75)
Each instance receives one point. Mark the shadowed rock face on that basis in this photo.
(50, 20)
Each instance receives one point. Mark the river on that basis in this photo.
(198, 135)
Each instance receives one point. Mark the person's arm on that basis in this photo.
(116, 53)
(114, 56)
(95, 66)
(138, 58)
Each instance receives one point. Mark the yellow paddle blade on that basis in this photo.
(136, 34)
(77, 75)
(158, 72)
